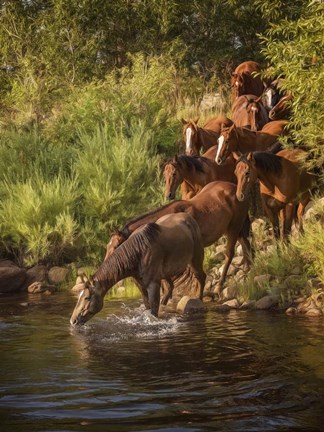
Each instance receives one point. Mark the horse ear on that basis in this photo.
(250, 157)
(196, 120)
(236, 155)
(183, 121)
(175, 158)
(258, 99)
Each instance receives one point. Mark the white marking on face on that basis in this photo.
(220, 145)
(80, 295)
(269, 97)
(188, 138)
(254, 109)
(109, 244)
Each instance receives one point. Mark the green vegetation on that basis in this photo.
(91, 94)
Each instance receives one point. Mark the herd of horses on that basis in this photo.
(224, 161)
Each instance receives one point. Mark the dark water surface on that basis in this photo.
(239, 371)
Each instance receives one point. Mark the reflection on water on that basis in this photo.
(127, 371)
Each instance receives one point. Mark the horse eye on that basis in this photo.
(247, 174)
(174, 174)
(87, 298)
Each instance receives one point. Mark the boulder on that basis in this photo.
(190, 305)
(267, 302)
(78, 288)
(37, 273)
(232, 270)
(12, 279)
(229, 292)
(291, 311)
(248, 304)
(233, 304)
(7, 263)
(56, 275)
(40, 287)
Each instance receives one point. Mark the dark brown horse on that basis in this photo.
(284, 182)
(244, 81)
(193, 173)
(282, 109)
(217, 212)
(272, 94)
(197, 138)
(153, 252)
(244, 140)
(248, 111)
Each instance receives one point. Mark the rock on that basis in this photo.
(229, 293)
(239, 250)
(40, 287)
(221, 248)
(313, 312)
(319, 300)
(248, 304)
(12, 279)
(267, 302)
(232, 270)
(208, 297)
(81, 279)
(237, 261)
(7, 263)
(233, 304)
(208, 283)
(37, 273)
(304, 306)
(219, 257)
(78, 288)
(221, 308)
(56, 275)
(292, 281)
(190, 305)
(291, 311)
(211, 100)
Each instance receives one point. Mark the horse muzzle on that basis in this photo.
(170, 196)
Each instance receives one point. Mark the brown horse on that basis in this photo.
(244, 140)
(282, 109)
(197, 138)
(283, 183)
(217, 212)
(248, 111)
(243, 80)
(153, 252)
(193, 173)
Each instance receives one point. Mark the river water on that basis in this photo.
(125, 371)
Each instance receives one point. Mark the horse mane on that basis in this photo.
(128, 254)
(267, 161)
(191, 162)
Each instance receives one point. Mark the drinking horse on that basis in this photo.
(244, 140)
(284, 182)
(217, 212)
(197, 138)
(154, 251)
(248, 111)
(193, 173)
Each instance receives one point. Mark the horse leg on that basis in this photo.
(248, 251)
(197, 268)
(153, 290)
(229, 253)
(144, 293)
(167, 290)
(289, 213)
(272, 215)
(301, 209)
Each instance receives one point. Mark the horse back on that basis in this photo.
(276, 127)
(215, 124)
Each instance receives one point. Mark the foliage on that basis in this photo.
(295, 50)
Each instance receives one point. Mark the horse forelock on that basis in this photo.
(129, 253)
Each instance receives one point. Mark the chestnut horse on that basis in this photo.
(283, 183)
(193, 173)
(243, 80)
(281, 111)
(155, 251)
(244, 140)
(217, 212)
(248, 111)
(197, 138)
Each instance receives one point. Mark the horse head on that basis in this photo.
(272, 94)
(116, 239)
(89, 303)
(282, 109)
(226, 143)
(246, 175)
(172, 178)
(190, 133)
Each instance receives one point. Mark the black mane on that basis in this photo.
(128, 254)
(267, 161)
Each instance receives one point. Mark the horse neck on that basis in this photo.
(267, 178)
(248, 140)
(207, 138)
(112, 270)
(192, 177)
